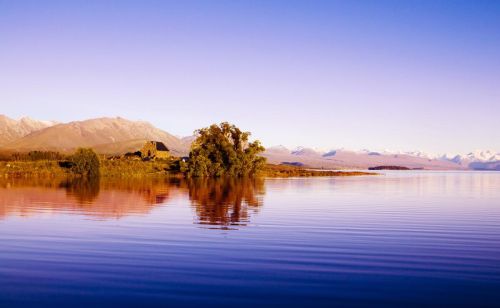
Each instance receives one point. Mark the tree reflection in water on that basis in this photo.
(85, 190)
(225, 202)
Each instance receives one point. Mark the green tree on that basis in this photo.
(85, 162)
(224, 150)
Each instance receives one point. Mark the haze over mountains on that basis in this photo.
(118, 136)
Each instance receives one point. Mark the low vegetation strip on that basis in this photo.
(292, 171)
(44, 168)
(108, 168)
(137, 169)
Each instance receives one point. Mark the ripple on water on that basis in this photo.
(409, 238)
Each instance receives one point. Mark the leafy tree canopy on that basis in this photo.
(85, 162)
(224, 150)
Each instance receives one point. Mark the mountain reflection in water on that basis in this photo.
(217, 202)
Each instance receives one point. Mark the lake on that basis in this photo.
(397, 239)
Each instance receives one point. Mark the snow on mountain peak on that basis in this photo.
(483, 156)
(11, 129)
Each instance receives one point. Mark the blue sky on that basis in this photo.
(399, 75)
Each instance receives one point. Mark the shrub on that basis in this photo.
(224, 150)
(85, 162)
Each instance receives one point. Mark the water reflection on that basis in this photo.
(225, 202)
(221, 202)
(84, 190)
(400, 239)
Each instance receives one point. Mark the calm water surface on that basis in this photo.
(399, 239)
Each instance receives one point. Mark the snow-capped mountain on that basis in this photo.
(483, 156)
(278, 149)
(342, 158)
(477, 160)
(346, 159)
(303, 151)
(11, 129)
(420, 154)
(477, 156)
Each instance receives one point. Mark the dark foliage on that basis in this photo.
(389, 168)
(37, 155)
(223, 150)
(85, 162)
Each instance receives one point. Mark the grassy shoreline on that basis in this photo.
(138, 169)
(292, 171)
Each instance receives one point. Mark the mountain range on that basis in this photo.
(11, 130)
(347, 159)
(105, 135)
(119, 135)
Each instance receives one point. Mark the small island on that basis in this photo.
(389, 168)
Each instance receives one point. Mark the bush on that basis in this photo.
(224, 149)
(85, 162)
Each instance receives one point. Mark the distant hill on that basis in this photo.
(121, 147)
(11, 130)
(478, 160)
(187, 141)
(116, 135)
(344, 159)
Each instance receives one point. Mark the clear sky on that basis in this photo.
(399, 75)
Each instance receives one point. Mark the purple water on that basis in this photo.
(399, 239)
